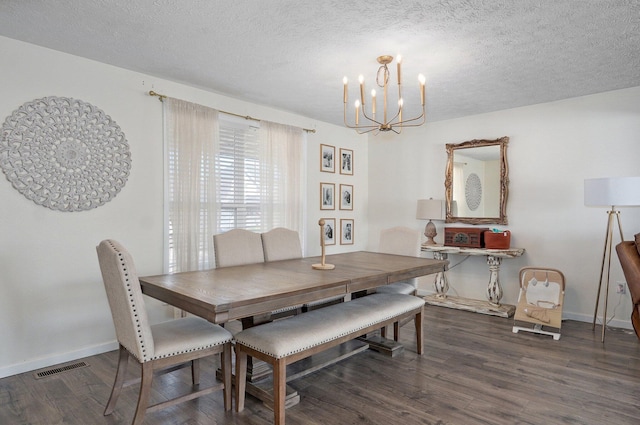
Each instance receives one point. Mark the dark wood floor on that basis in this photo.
(474, 371)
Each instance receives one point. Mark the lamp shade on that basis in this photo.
(430, 209)
(612, 191)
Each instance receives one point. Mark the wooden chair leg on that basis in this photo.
(145, 392)
(195, 372)
(241, 378)
(279, 390)
(121, 373)
(225, 365)
(419, 336)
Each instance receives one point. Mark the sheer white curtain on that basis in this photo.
(192, 140)
(216, 171)
(281, 189)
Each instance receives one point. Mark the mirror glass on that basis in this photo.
(476, 182)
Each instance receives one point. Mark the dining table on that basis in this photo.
(228, 293)
(231, 293)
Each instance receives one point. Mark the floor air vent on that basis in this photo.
(59, 369)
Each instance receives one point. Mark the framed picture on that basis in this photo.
(327, 196)
(346, 161)
(328, 158)
(346, 197)
(346, 231)
(329, 231)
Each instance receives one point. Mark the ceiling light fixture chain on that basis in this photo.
(382, 80)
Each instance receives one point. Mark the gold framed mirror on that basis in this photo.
(476, 182)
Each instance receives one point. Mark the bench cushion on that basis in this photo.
(283, 338)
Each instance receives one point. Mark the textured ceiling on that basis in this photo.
(478, 56)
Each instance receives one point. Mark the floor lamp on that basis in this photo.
(614, 192)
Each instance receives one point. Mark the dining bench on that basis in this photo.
(286, 341)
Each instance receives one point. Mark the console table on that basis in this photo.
(494, 291)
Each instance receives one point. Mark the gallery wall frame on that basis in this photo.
(329, 231)
(327, 196)
(346, 161)
(327, 158)
(346, 231)
(346, 197)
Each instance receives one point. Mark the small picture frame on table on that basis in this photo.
(327, 196)
(329, 231)
(346, 197)
(328, 158)
(346, 161)
(346, 231)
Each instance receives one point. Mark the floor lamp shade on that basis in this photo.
(612, 191)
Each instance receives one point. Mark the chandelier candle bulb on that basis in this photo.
(373, 103)
(345, 81)
(361, 79)
(421, 79)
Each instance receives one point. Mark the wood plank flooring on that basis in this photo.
(474, 371)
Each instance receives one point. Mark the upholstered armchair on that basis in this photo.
(629, 256)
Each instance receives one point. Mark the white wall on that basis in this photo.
(553, 147)
(53, 307)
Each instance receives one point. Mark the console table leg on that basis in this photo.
(441, 283)
(494, 290)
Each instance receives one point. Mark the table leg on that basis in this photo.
(440, 282)
(494, 290)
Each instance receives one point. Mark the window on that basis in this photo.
(225, 172)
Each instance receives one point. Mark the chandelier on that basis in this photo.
(384, 123)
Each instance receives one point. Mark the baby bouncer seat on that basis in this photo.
(540, 301)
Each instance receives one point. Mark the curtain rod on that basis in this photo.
(162, 97)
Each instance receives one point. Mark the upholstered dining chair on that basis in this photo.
(160, 347)
(399, 240)
(284, 244)
(237, 247)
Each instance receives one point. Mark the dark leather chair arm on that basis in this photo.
(630, 262)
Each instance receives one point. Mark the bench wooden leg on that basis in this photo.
(419, 341)
(396, 331)
(241, 378)
(279, 390)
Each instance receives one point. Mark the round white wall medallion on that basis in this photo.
(473, 191)
(64, 154)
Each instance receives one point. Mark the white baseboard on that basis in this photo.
(567, 315)
(43, 362)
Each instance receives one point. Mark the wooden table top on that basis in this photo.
(228, 293)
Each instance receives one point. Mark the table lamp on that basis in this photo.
(430, 209)
(610, 192)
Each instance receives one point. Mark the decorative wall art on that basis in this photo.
(327, 196)
(329, 231)
(346, 161)
(346, 197)
(64, 154)
(473, 191)
(327, 158)
(346, 231)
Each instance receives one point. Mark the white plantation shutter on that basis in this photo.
(237, 166)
